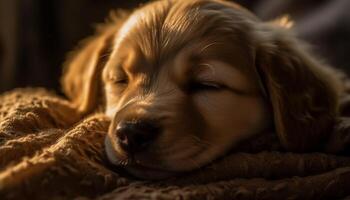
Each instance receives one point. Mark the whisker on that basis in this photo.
(105, 55)
(125, 161)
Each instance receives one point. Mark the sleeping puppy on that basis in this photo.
(185, 81)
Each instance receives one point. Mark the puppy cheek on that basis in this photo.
(231, 118)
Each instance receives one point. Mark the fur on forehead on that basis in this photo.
(162, 28)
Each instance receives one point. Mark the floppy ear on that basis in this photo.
(81, 79)
(302, 91)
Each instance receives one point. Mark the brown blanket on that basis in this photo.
(48, 151)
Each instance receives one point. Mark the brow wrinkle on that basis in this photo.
(208, 46)
(207, 65)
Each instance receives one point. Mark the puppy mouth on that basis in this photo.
(134, 167)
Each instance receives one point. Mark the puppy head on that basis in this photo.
(184, 81)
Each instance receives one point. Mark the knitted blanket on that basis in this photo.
(49, 151)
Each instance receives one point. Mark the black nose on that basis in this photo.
(134, 136)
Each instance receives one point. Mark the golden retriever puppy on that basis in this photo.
(184, 81)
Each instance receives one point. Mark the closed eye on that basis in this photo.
(210, 86)
(118, 77)
(121, 81)
(198, 86)
(118, 80)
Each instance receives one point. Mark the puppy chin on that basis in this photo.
(134, 169)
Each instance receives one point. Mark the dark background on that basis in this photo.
(36, 35)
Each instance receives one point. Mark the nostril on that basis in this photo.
(121, 132)
(121, 135)
(136, 135)
(123, 140)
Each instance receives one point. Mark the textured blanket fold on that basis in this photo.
(49, 151)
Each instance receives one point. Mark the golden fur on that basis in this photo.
(142, 64)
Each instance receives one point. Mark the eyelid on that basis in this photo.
(196, 86)
(215, 84)
(205, 78)
(207, 74)
(123, 80)
(118, 77)
(211, 83)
